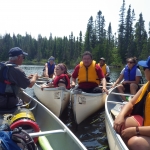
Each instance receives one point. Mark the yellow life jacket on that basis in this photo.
(147, 104)
(88, 74)
(103, 68)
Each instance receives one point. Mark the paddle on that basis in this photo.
(40, 81)
(120, 94)
(120, 83)
(36, 134)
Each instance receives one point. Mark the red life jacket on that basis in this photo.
(57, 78)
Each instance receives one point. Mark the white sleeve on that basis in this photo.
(122, 72)
(138, 72)
(107, 69)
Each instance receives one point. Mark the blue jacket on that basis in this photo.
(129, 75)
(50, 68)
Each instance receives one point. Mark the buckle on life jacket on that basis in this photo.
(7, 82)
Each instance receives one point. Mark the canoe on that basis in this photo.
(85, 104)
(115, 141)
(58, 135)
(55, 99)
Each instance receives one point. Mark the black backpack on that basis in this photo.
(18, 139)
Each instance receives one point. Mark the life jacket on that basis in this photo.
(103, 68)
(57, 78)
(142, 105)
(6, 87)
(130, 75)
(88, 74)
(50, 68)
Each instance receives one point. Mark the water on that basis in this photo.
(90, 132)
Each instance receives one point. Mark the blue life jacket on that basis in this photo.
(50, 68)
(129, 75)
(4, 69)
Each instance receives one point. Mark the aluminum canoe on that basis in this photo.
(85, 104)
(115, 141)
(59, 135)
(55, 99)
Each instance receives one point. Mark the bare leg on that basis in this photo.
(121, 90)
(133, 88)
(139, 143)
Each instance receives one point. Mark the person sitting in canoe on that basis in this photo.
(105, 68)
(135, 130)
(62, 78)
(131, 76)
(48, 70)
(89, 75)
(12, 78)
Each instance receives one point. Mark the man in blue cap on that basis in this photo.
(12, 78)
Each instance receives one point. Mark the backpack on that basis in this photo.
(18, 139)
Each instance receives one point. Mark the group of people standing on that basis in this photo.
(90, 75)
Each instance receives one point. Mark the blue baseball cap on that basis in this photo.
(16, 51)
(51, 58)
(145, 63)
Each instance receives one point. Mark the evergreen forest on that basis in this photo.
(130, 40)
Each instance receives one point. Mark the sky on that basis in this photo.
(61, 17)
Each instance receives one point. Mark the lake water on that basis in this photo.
(90, 132)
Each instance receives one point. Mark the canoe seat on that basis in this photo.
(77, 91)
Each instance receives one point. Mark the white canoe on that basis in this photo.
(114, 139)
(85, 104)
(57, 133)
(55, 99)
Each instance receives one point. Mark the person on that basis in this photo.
(62, 78)
(12, 78)
(131, 76)
(89, 75)
(136, 136)
(48, 70)
(105, 68)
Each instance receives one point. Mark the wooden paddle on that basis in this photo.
(36, 134)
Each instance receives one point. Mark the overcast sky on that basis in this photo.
(61, 17)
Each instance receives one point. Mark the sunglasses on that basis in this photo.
(130, 62)
(144, 68)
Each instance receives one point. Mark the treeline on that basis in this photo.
(131, 40)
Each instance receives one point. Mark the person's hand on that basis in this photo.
(105, 90)
(119, 123)
(72, 85)
(42, 87)
(124, 82)
(128, 132)
(30, 76)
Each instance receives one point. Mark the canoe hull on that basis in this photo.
(47, 121)
(55, 99)
(114, 139)
(85, 104)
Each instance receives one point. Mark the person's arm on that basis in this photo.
(103, 81)
(33, 80)
(108, 71)
(73, 82)
(126, 110)
(118, 80)
(46, 70)
(74, 76)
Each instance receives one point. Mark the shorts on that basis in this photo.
(127, 88)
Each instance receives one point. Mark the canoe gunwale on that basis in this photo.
(66, 131)
(109, 121)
